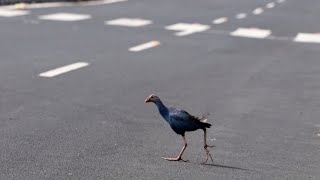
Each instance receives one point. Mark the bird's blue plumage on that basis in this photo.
(180, 120)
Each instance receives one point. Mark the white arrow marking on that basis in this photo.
(187, 29)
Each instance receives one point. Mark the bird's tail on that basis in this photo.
(205, 125)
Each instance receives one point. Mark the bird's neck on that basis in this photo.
(163, 110)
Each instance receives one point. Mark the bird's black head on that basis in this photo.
(152, 98)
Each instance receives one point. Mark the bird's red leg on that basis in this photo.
(178, 158)
(206, 147)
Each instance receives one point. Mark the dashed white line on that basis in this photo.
(187, 29)
(65, 17)
(251, 33)
(220, 20)
(241, 16)
(64, 69)
(12, 13)
(270, 5)
(144, 46)
(281, 1)
(257, 11)
(307, 38)
(130, 22)
(92, 3)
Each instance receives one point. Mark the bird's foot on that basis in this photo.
(174, 159)
(210, 146)
(208, 154)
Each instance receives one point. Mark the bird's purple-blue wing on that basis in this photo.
(181, 120)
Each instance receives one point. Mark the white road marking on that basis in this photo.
(46, 5)
(187, 29)
(281, 1)
(12, 13)
(64, 69)
(220, 20)
(93, 3)
(251, 33)
(307, 38)
(145, 46)
(60, 4)
(65, 17)
(241, 16)
(270, 5)
(130, 22)
(255, 33)
(257, 11)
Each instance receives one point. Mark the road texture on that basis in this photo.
(253, 64)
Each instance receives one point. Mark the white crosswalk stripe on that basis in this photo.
(251, 33)
(307, 38)
(65, 17)
(12, 13)
(130, 22)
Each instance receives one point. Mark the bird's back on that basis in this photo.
(181, 121)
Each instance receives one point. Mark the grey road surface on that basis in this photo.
(92, 123)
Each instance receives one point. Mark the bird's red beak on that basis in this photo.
(147, 100)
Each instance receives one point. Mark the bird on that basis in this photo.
(181, 121)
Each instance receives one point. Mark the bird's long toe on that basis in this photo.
(210, 146)
(207, 154)
(174, 159)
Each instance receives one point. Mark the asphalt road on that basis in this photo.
(92, 123)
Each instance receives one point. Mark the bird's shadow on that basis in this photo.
(223, 166)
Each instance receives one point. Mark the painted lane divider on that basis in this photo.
(281, 1)
(270, 5)
(187, 29)
(241, 16)
(130, 22)
(257, 11)
(251, 33)
(220, 20)
(64, 69)
(144, 46)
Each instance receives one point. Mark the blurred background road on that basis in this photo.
(74, 78)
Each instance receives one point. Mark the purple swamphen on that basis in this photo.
(181, 121)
